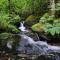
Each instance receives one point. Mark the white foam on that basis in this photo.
(22, 27)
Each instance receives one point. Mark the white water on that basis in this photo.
(41, 45)
(54, 48)
(22, 28)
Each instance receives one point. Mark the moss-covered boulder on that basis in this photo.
(30, 20)
(37, 27)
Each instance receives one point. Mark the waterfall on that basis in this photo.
(22, 27)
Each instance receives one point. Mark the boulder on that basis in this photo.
(30, 20)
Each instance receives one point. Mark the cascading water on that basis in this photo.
(29, 46)
(22, 28)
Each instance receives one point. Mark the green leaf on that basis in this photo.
(52, 31)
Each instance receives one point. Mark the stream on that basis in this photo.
(29, 49)
(28, 46)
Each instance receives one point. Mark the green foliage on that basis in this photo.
(51, 25)
(21, 5)
(52, 29)
(6, 22)
(4, 36)
(12, 28)
(46, 19)
(3, 6)
(8, 36)
(28, 6)
(3, 22)
(5, 25)
(48, 24)
(13, 19)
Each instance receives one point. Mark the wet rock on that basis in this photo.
(38, 57)
(33, 35)
(46, 57)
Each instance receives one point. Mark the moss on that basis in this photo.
(31, 17)
(37, 27)
(30, 20)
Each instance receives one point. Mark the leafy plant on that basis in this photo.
(3, 6)
(13, 19)
(27, 7)
(5, 25)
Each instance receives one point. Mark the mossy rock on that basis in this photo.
(30, 20)
(37, 27)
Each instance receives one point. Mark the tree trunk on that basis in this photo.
(52, 8)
